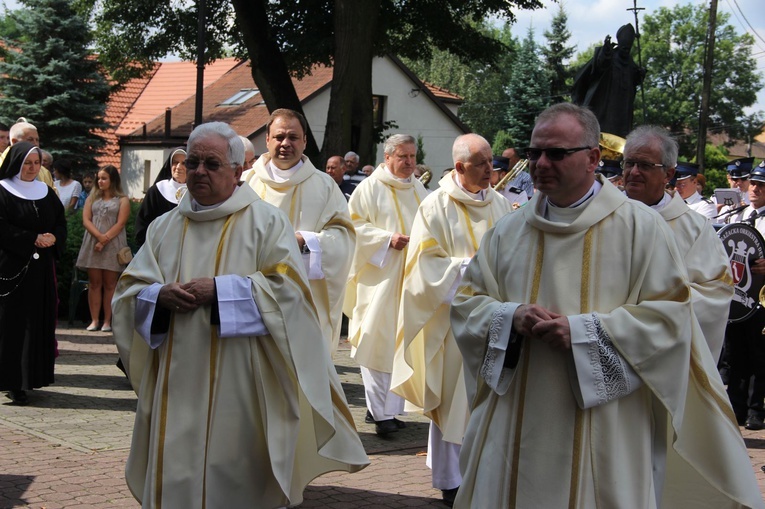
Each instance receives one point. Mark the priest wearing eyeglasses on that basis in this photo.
(589, 381)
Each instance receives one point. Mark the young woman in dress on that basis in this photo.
(104, 217)
(32, 237)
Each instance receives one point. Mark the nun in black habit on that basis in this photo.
(32, 237)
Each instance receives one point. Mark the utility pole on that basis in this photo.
(199, 104)
(635, 9)
(707, 85)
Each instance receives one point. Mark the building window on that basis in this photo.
(240, 97)
(378, 109)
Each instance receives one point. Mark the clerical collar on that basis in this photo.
(405, 181)
(594, 190)
(34, 190)
(479, 196)
(282, 175)
(665, 199)
(198, 207)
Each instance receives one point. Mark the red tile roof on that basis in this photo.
(444, 94)
(246, 118)
(142, 99)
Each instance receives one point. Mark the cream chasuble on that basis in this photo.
(670, 441)
(708, 269)
(380, 206)
(314, 203)
(231, 422)
(427, 368)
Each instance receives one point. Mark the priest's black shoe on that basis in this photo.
(399, 424)
(18, 397)
(385, 427)
(369, 419)
(449, 496)
(754, 422)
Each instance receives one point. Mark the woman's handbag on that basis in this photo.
(124, 255)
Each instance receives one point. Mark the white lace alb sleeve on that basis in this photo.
(313, 258)
(145, 308)
(493, 370)
(602, 374)
(238, 312)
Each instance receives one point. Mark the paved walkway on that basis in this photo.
(67, 449)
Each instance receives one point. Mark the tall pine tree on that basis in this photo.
(54, 81)
(528, 91)
(556, 53)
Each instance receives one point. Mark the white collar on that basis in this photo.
(197, 207)
(171, 190)
(282, 175)
(479, 196)
(34, 190)
(662, 203)
(404, 180)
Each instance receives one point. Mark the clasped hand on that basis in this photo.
(534, 321)
(186, 297)
(45, 240)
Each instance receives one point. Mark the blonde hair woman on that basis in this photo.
(104, 217)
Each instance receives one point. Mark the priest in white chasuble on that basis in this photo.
(589, 381)
(650, 158)
(427, 368)
(382, 208)
(318, 211)
(239, 404)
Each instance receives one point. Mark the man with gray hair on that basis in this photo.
(382, 208)
(352, 171)
(249, 153)
(24, 131)
(650, 158)
(575, 323)
(427, 368)
(219, 337)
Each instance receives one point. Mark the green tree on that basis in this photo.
(53, 80)
(281, 36)
(528, 91)
(673, 53)
(502, 141)
(556, 53)
(483, 87)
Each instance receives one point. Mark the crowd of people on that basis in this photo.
(534, 306)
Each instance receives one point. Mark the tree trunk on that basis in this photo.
(269, 69)
(350, 125)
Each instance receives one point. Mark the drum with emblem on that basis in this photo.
(743, 244)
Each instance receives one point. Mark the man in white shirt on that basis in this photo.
(685, 185)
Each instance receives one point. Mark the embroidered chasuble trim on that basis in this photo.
(495, 327)
(423, 246)
(163, 420)
(337, 221)
(584, 305)
(214, 353)
(165, 387)
(286, 270)
(700, 375)
(465, 213)
(524, 374)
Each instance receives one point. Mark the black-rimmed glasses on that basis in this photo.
(552, 153)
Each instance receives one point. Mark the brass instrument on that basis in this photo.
(512, 174)
(611, 146)
(425, 177)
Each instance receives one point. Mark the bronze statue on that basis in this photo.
(608, 82)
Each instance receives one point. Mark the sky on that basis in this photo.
(590, 22)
